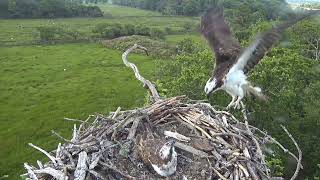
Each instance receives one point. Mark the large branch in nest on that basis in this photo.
(146, 82)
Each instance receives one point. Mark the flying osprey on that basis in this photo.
(232, 61)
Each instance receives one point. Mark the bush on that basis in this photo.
(142, 30)
(157, 33)
(188, 46)
(48, 33)
(51, 33)
(129, 29)
(188, 27)
(115, 30)
(168, 30)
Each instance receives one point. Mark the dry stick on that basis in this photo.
(30, 171)
(116, 170)
(75, 120)
(52, 172)
(133, 129)
(116, 113)
(60, 137)
(147, 83)
(259, 151)
(216, 171)
(74, 134)
(53, 159)
(80, 172)
(285, 150)
(190, 149)
(299, 151)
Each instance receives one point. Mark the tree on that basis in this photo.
(307, 34)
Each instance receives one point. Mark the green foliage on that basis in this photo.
(244, 10)
(186, 73)
(107, 30)
(52, 33)
(188, 46)
(48, 33)
(276, 166)
(306, 36)
(142, 30)
(290, 80)
(157, 33)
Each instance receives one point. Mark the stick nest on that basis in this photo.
(210, 144)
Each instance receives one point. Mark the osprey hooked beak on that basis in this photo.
(212, 86)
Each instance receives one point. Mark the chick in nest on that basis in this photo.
(158, 153)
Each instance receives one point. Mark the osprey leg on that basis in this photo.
(234, 98)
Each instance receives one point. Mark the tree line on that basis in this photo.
(47, 9)
(265, 9)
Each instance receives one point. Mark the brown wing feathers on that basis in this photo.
(268, 39)
(218, 34)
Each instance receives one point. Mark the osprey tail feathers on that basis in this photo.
(257, 92)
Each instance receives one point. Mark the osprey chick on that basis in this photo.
(232, 61)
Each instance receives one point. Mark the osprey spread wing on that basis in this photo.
(232, 61)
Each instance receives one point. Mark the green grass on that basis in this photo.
(36, 93)
(122, 11)
(174, 39)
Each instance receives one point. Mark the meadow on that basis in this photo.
(42, 84)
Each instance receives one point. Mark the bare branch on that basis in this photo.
(299, 151)
(53, 159)
(146, 83)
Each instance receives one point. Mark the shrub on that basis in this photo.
(187, 46)
(48, 33)
(142, 30)
(188, 27)
(129, 29)
(51, 33)
(157, 33)
(168, 30)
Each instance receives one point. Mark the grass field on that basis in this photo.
(36, 93)
(173, 39)
(122, 11)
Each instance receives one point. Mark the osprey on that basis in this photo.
(232, 61)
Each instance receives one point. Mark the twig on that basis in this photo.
(30, 171)
(60, 137)
(116, 170)
(177, 136)
(52, 172)
(75, 120)
(116, 113)
(190, 149)
(53, 159)
(299, 151)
